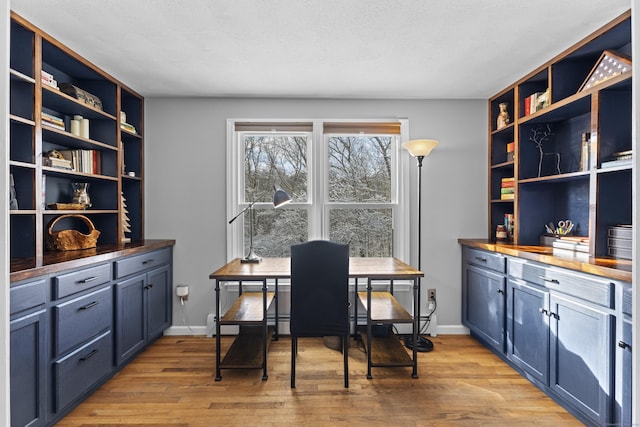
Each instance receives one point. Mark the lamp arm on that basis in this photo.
(242, 211)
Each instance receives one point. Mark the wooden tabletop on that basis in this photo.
(278, 268)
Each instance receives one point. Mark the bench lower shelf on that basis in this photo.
(386, 351)
(246, 351)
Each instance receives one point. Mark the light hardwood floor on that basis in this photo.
(460, 383)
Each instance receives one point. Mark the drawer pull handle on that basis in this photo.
(149, 286)
(89, 356)
(88, 279)
(544, 311)
(500, 291)
(554, 281)
(554, 315)
(481, 259)
(88, 306)
(624, 345)
(149, 261)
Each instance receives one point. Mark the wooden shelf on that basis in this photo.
(385, 308)
(246, 351)
(247, 309)
(33, 51)
(386, 351)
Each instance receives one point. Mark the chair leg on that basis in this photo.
(294, 351)
(345, 352)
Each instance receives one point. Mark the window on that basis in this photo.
(343, 178)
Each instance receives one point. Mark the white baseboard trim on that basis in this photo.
(284, 330)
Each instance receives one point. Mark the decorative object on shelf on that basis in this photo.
(81, 193)
(609, 65)
(82, 126)
(501, 232)
(280, 197)
(81, 95)
(126, 225)
(539, 135)
(420, 148)
(70, 240)
(66, 206)
(13, 201)
(74, 127)
(619, 241)
(503, 116)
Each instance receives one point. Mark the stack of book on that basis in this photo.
(53, 121)
(48, 79)
(507, 189)
(619, 241)
(536, 102)
(87, 161)
(621, 158)
(572, 246)
(57, 163)
(128, 127)
(511, 147)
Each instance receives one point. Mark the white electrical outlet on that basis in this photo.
(182, 291)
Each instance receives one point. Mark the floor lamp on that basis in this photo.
(280, 197)
(420, 148)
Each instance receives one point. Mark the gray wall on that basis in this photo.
(185, 179)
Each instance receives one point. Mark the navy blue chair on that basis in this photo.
(319, 296)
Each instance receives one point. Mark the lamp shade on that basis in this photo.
(280, 197)
(420, 147)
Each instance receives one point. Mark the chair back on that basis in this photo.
(319, 289)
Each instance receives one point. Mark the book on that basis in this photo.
(128, 127)
(585, 154)
(507, 196)
(616, 163)
(507, 190)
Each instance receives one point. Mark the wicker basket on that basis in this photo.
(70, 240)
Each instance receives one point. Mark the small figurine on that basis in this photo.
(503, 116)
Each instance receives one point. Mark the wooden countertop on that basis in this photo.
(52, 262)
(616, 269)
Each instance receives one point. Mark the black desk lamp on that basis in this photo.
(419, 148)
(280, 197)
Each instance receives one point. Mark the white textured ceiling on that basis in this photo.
(404, 49)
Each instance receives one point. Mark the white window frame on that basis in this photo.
(318, 213)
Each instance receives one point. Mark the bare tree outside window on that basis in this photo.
(360, 173)
(358, 179)
(279, 160)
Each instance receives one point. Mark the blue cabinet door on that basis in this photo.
(484, 305)
(581, 356)
(528, 328)
(158, 289)
(28, 369)
(130, 317)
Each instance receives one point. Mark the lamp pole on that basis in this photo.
(419, 148)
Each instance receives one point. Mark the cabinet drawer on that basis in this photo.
(27, 295)
(79, 371)
(76, 281)
(490, 260)
(78, 320)
(137, 263)
(589, 288)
